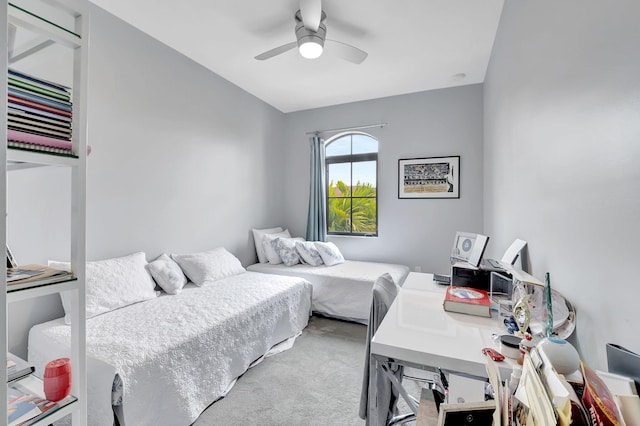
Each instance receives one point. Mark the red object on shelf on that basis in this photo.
(57, 379)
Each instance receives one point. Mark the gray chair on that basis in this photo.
(381, 389)
(379, 397)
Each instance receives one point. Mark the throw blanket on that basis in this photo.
(177, 354)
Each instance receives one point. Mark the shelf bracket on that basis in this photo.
(29, 48)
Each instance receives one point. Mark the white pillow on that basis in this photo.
(111, 284)
(308, 252)
(167, 273)
(269, 251)
(286, 249)
(330, 253)
(257, 240)
(209, 266)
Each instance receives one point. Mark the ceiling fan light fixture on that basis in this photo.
(310, 47)
(310, 43)
(311, 34)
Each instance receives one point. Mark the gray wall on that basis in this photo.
(414, 232)
(562, 144)
(182, 161)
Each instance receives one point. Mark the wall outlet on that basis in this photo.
(418, 268)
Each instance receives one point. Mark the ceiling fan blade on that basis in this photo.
(276, 51)
(346, 51)
(311, 12)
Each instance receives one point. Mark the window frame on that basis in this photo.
(350, 159)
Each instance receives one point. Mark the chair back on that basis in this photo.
(384, 293)
(376, 395)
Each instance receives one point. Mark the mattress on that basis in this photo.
(176, 354)
(343, 290)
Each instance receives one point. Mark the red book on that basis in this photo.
(467, 300)
(39, 106)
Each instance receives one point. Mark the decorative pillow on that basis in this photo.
(258, 234)
(208, 266)
(308, 252)
(330, 253)
(167, 273)
(111, 284)
(269, 251)
(286, 249)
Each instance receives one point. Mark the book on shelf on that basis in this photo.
(40, 148)
(34, 276)
(39, 142)
(40, 99)
(36, 130)
(16, 112)
(17, 368)
(466, 300)
(17, 108)
(38, 86)
(37, 105)
(14, 82)
(38, 81)
(15, 274)
(62, 98)
(18, 136)
(39, 121)
(26, 403)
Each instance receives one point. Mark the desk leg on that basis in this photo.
(388, 366)
(397, 384)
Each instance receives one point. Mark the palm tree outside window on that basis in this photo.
(351, 162)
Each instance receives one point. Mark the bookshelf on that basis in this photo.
(63, 23)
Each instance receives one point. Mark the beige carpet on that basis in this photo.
(317, 382)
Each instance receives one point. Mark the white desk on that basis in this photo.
(417, 331)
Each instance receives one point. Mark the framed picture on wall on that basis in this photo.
(432, 177)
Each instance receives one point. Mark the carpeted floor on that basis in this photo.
(317, 382)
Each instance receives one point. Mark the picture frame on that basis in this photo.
(430, 177)
(469, 247)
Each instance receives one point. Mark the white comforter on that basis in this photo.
(178, 354)
(342, 290)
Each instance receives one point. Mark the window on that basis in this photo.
(352, 178)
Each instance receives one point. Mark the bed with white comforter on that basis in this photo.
(343, 290)
(176, 354)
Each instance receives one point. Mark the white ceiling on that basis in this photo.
(413, 45)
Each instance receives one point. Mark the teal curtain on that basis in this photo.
(317, 217)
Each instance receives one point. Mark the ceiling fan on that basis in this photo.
(311, 33)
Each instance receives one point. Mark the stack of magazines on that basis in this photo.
(17, 368)
(29, 276)
(26, 403)
(39, 114)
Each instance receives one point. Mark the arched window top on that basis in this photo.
(352, 143)
(351, 163)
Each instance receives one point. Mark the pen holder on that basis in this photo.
(57, 379)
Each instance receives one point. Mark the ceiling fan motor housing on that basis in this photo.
(305, 35)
